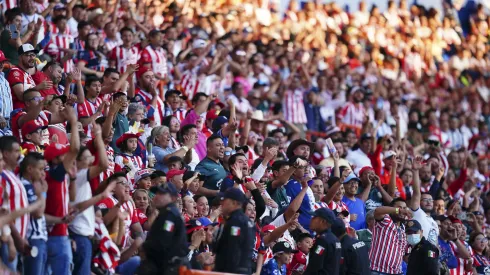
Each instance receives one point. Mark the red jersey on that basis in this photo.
(124, 57)
(145, 98)
(57, 199)
(125, 159)
(87, 109)
(61, 41)
(298, 263)
(141, 216)
(352, 114)
(128, 207)
(31, 147)
(17, 76)
(17, 197)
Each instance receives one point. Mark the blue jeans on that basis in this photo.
(37, 265)
(83, 254)
(59, 255)
(5, 258)
(129, 267)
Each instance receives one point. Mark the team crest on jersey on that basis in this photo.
(198, 223)
(16, 74)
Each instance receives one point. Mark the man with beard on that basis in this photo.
(52, 71)
(20, 77)
(356, 206)
(389, 239)
(173, 99)
(447, 235)
(422, 205)
(146, 94)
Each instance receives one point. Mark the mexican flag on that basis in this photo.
(168, 226)
(319, 250)
(235, 231)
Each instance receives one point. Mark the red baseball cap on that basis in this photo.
(55, 150)
(268, 228)
(365, 169)
(212, 114)
(31, 126)
(174, 172)
(142, 70)
(2, 57)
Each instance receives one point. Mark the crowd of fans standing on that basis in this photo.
(141, 136)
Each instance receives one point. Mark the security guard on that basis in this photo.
(423, 259)
(235, 238)
(355, 255)
(165, 249)
(324, 257)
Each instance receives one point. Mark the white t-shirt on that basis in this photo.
(286, 237)
(429, 226)
(84, 223)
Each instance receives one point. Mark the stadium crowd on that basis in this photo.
(350, 141)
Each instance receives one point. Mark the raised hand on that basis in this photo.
(45, 85)
(236, 169)
(250, 185)
(76, 74)
(132, 68)
(270, 154)
(417, 163)
(108, 190)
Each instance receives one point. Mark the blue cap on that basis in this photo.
(413, 226)
(325, 214)
(168, 188)
(218, 122)
(350, 177)
(235, 194)
(205, 221)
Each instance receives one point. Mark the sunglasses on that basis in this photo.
(229, 153)
(433, 142)
(36, 98)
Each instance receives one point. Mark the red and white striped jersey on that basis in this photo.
(146, 98)
(180, 114)
(124, 57)
(388, 247)
(88, 109)
(17, 197)
(61, 41)
(17, 76)
(352, 114)
(110, 169)
(124, 159)
(43, 118)
(8, 4)
(340, 207)
(157, 58)
(56, 31)
(108, 253)
(128, 207)
(189, 84)
(110, 44)
(293, 106)
(461, 262)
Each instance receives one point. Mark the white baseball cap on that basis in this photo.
(199, 43)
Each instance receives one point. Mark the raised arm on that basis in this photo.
(416, 166)
(69, 159)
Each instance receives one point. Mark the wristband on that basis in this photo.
(397, 210)
(73, 179)
(186, 149)
(44, 195)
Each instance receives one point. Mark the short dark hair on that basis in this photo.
(7, 143)
(50, 64)
(30, 159)
(115, 176)
(196, 97)
(303, 236)
(27, 92)
(126, 29)
(186, 128)
(395, 200)
(81, 151)
(90, 80)
(211, 139)
(278, 164)
(232, 159)
(82, 24)
(58, 18)
(110, 71)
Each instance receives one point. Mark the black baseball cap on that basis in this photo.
(187, 175)
(338, 227)
(325, 214)
(441, 218)
(282, 247)
(168, 188)
(413, 226)
(235, 194)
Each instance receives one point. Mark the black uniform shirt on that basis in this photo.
(234, 244)
(355, 257)
(423, 259)
(167, 238)
(324, 255)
